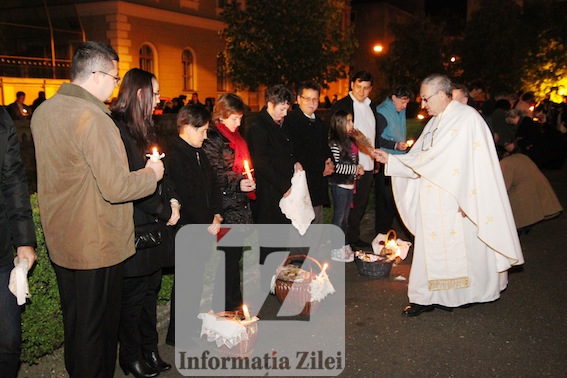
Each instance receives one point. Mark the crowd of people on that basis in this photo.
(110, 214)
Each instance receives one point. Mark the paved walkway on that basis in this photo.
(523, 334)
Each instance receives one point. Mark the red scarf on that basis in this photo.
(241, 153)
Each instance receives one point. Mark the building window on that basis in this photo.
(147, 58)
(188, 74)
(191, 4)
(222, 82)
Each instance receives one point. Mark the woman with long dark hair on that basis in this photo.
(138, 336)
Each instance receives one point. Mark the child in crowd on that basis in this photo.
(342, 181)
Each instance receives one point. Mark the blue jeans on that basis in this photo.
(10, 327)
(342, 198)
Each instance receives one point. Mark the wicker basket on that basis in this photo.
(298, 293)
(375, 269)
(245, 347)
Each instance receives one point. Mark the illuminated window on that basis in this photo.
(188, 73)
(147, 58)
(222, 82)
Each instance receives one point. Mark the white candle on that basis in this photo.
(246, 313)
(247, 170)
(321, 275)
(155, 155)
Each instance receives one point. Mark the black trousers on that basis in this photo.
(10, 327)
(385, 207)
(360, 200)
(138, 318)
(232, 291)
(90, 302)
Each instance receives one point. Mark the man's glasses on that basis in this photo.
(310, 100)
(116, 78)
(428, 140)
(426, 99)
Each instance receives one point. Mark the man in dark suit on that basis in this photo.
(309, 138)
(16, 230)
(363, 110)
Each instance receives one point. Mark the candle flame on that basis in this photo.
(246, 312)
(410, 142)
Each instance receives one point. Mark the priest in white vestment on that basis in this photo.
(451, 195)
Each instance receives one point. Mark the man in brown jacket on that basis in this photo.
(84, 188)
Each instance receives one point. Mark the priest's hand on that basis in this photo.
(381, 156)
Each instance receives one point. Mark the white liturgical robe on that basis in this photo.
(453, 165)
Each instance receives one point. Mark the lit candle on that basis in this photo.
(155, 155)
(321, 275)
(246, 313)
(409, 142)
(247, 170)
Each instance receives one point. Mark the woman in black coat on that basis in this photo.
(138, 337)
(227, 151)
(190, 174)
(271, 150)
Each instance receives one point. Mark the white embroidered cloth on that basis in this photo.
(403, 246)
(319, 287)
(19, 281)
(224, 331)
(297, 207)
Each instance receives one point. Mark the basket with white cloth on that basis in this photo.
(233, 334)
(302, 290)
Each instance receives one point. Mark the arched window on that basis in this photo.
(222, 81)
(188, 74)
(147, 58)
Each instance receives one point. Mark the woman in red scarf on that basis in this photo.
(227, 151)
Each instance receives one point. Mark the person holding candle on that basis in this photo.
(138, 336)
(85, 192)
(228, 154)
(192, 177)
(451, 195)
(392, 138)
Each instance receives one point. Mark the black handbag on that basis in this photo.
(148, 236)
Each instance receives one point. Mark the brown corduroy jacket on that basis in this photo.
(84, 183)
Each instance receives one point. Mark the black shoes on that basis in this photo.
(138, 368)
(414, 309)
(155, 362)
